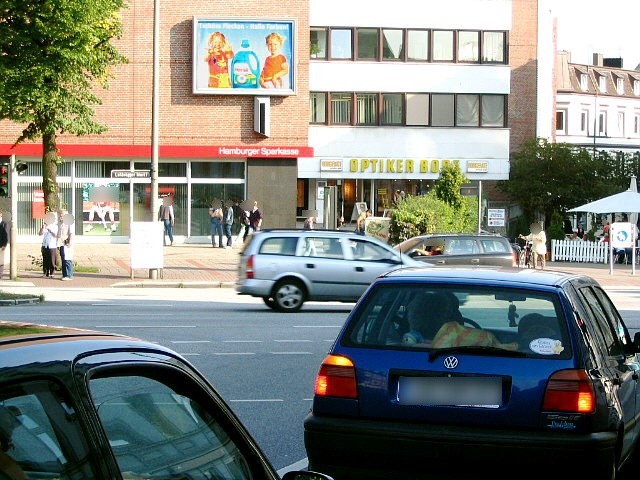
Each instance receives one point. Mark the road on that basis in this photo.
(262, 362)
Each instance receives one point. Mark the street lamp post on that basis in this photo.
(155, 107)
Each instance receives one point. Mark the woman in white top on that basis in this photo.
(49, 231)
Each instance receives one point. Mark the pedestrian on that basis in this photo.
(166, 216)
(227, 223)
(4, 241)
(49, 232)
(310, 223)
(216, 224)
(246, 225)
(65, 243)
(538, 239)
(255, 218)
(361, 221)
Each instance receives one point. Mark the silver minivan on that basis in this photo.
(286, 267)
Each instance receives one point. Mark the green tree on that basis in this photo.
(448, 186)
(52, 55)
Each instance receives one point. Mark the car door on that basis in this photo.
(160, 419)
(321, 260)
(368, 261)
(621, 362)
(460, 251)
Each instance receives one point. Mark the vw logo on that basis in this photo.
(450, 362)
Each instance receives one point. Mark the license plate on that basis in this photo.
(459, 391)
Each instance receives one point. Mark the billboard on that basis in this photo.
(243, 57)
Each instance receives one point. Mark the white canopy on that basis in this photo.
(623, 202)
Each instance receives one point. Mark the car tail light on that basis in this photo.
(336, 378)
(248, 271)
(569, 391)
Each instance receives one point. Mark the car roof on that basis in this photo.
(512, 276)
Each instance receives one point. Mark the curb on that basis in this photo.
(19, 301)
(172, 284)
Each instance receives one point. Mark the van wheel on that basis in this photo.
(269, 302)
(288, 296)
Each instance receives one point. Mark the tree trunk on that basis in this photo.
(50, 172)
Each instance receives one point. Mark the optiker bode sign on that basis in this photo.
(397, 165)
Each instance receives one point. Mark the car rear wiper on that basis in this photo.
(497, 351)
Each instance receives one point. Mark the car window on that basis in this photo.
(460, 246)
(431, 317)
(278, 246)
(615, 320)
(369, 251)
(491, 245)
(610, 338)
(157, 428)
(40, 436)
(322, 247)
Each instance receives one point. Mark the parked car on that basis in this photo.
(476, 373)
(461, 249)
(289, 267)
(78, 404)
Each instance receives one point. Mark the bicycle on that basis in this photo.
(525, 259)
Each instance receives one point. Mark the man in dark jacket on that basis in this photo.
(4, 241)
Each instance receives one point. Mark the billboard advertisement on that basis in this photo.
(243, 57)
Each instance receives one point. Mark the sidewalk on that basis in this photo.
(200, 265)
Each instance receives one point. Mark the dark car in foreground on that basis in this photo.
(478, 373)
(453, 249)
(78, 404)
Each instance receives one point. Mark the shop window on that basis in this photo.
(318, 107)
(392, 44)
(367, 108)
(318, 43)
(468, 46)
(468, 110)
(493, 108)
(493, 44)
(88, 169)
(217, 169)
(442, 46)
(392, 108)
(165, 169)
(442, 110)
(341, 107)
(341, 44)
(418, 45)
(417, 109)
(368, 44)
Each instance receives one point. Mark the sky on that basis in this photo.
(609, 27)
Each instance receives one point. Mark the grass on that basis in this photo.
(9, 330)
(18, 296)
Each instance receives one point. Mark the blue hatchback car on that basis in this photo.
(477, 373)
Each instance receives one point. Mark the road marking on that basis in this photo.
(137, 305)
(242, 341)
(291, 353)
(233, 353)
(146, 326)
(190, 341)
(318, 326)
(247, 400)
(293, 341)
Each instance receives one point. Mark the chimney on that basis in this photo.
(597, 60)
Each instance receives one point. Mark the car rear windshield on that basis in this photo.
(433, 317)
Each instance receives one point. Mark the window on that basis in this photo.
(468, 46)
(561, 122)
(418, 45)
(341, 108)
(620, 85)
(341, 44)
(493, 47)
(636, 124)
(161, 424)
(392, 44)
(318, 107)
(621, 124)
(279, 246)
(442, 46)
(318, 43)
(40, 435)
(467, 110)
(636, 87)
(367, 108)
(584, 121)
(368, 44)
(442, 110)
(602, 123)
(392, 109)
(584, 82)
(602, 83)
(493, 111)
(417, 109)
